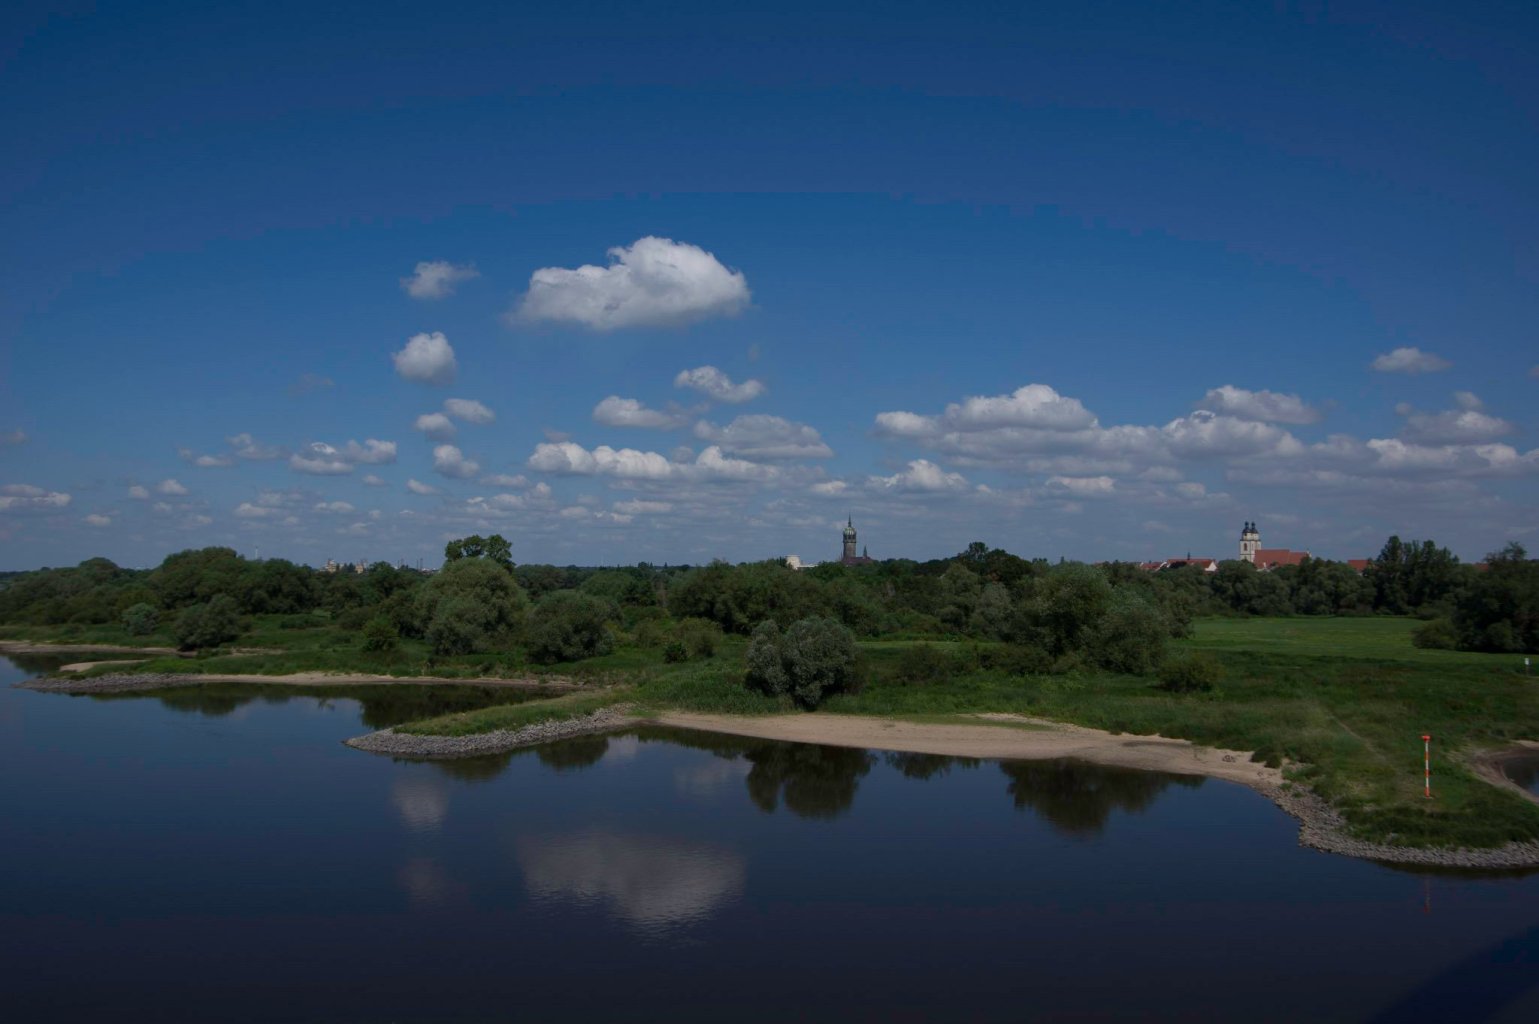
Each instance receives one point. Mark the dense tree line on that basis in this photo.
(1115, 615)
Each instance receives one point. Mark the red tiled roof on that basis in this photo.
(1360, 564)
(1269, 558)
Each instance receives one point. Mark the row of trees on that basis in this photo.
(1116, 613)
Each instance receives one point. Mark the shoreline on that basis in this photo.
(35, 647)
(1015, 737)
(149, 683)
(500, 741)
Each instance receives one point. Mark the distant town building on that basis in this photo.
(850, 557)
(793, 562)
(1266, 558)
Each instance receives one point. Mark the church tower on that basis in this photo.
(1250, 540)
(849, 540)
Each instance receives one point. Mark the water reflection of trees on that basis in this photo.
(380, 706)
(809, 780)
(1077, 798)
(928, 766)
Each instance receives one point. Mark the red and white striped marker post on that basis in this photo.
(1426, 755)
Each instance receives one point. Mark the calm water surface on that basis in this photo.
(215, 855)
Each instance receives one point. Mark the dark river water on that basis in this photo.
(219, 855)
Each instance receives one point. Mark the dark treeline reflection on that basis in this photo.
(379, 706)
(1077, 798)
(927, 766)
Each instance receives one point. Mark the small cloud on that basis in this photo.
(469, 410)
(206, 461)
(922, 475)
(246, 510)
(436, 279)
(28, 498)
(417, 487)
(248, 447)
(504, 480)
(1466, 424)
(435, 425)
(830, 488)
(615, 411)
(451, 462)
(320, 459)
(1083, 486)
(711, 382)
(655, 282)
(375, 481)
(14, 437)
(372, 452)
(1410, 360)
(170, 487)
(309, 382)
(427, 358)
(98, 520)
(335, 507)
(139, 492)
(640, 507)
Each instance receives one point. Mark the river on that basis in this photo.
(220, 855)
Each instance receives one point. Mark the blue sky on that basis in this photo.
(1101, 282)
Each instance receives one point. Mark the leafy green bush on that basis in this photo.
(567, 625)
(473, 604)
(812, 659)
(380, 634)
(207, 625)
(1438, 635)
(140, 619)
(675, 652)
(1195, 672)
(699, 637)
(1016, 659)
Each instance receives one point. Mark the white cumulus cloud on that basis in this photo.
(921, 475)
(615, 411)
(654, 282)
(1264, 406)
(1467, 424)
(1409, 360)
(139, 492)
(14, 437)
(170, 487)
(435, 279)
(451, 462)
(435, 425)
(417, 487)
(27, 498)
(427, 358)
(97, 519)
(711, 382)
(469, 410)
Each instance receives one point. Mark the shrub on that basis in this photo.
(699, 636)
(460, 625)
(924, 665)
(207, 625)
(380, 634)
(675, 652)
(473, 604)
(1438, 634)
(1196, 671)
(812, 659)
(140, 619)
(567, 625)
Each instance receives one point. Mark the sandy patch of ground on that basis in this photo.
(997, 736)
(81, 666)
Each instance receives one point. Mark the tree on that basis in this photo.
(207, 625)
(568, 626)
(1500, 610)
(140, 619)
(808, 662)
(494, 549)
(472, 604)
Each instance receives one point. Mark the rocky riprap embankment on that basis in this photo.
(116, 683)
(1322, 828)
(400, 744)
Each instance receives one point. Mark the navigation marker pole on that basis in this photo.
(1426, 754)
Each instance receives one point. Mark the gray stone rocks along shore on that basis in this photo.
(399, 744)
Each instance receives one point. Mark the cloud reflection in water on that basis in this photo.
(650, 882)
